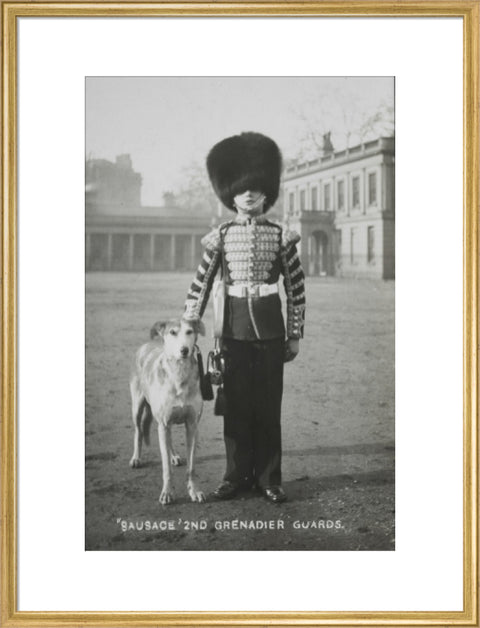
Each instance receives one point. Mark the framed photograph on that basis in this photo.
(239, 388)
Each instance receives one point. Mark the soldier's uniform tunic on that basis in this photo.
(252, 252)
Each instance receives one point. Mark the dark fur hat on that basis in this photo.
(249, 161)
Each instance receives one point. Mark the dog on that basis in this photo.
(165, 386)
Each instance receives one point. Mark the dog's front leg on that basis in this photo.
(165, 441)
(137, 448)
(196, 495)
(138, 408)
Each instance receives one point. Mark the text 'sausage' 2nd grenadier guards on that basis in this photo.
(252, 253)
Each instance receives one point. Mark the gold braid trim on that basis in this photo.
(288, 290)
(289, 237)
(193, 309)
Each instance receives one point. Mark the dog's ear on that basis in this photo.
(197, 325)
(200, 327)
(158, 330)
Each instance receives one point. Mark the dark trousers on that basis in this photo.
(253, 384)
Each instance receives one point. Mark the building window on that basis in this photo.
(356, 192)
(341, 195)
(326, 197)
(372, 188)
(314, 199)
(291, 202)
(302, 201)
(352, 246)
(371, 244)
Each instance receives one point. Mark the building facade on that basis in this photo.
(123, 235)
(343, 206)
(145, 239)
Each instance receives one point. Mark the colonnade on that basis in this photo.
(116, 250)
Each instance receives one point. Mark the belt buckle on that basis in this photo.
(251, 291)
(263, 290)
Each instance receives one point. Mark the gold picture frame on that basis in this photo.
(469, 12)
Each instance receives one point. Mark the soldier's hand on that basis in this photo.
(292, 347)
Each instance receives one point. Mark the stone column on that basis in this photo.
(330, 254)
(130, 252)
(109, 251)
(309, 256)
(365, 190)
(382, 203)
(172, 251)
(348, 193)
(152, 251)
(88, 248)
(193, 252)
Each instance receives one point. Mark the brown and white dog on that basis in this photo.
(165, 385)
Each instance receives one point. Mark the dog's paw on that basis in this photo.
(166, 496)
(135, 463)
(196, 495)
(177, 460)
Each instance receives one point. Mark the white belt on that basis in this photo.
(259, 290)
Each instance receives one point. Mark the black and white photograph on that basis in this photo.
(240, 313)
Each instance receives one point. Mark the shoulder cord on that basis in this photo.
(224, 279)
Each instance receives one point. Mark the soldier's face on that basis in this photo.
(250, 202)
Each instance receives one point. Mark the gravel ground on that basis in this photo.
(338, 429)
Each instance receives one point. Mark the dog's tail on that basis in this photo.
(146, 422)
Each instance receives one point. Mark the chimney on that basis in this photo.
(124, 161)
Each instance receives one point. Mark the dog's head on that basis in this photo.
(179, 336)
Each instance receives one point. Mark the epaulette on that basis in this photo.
(213, 239)
(273, 223)
(289, 238)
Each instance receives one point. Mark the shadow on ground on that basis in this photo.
(337, 423)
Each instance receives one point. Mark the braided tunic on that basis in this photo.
(255, 251)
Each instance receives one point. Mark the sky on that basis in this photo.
(166, 123)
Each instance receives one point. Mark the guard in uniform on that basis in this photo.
(251, 253)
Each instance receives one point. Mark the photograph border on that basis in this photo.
(470, 12)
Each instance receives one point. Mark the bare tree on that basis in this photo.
(348, 114)
(196, 191)
(380, 123)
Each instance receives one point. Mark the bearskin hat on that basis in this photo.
(249, 161)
